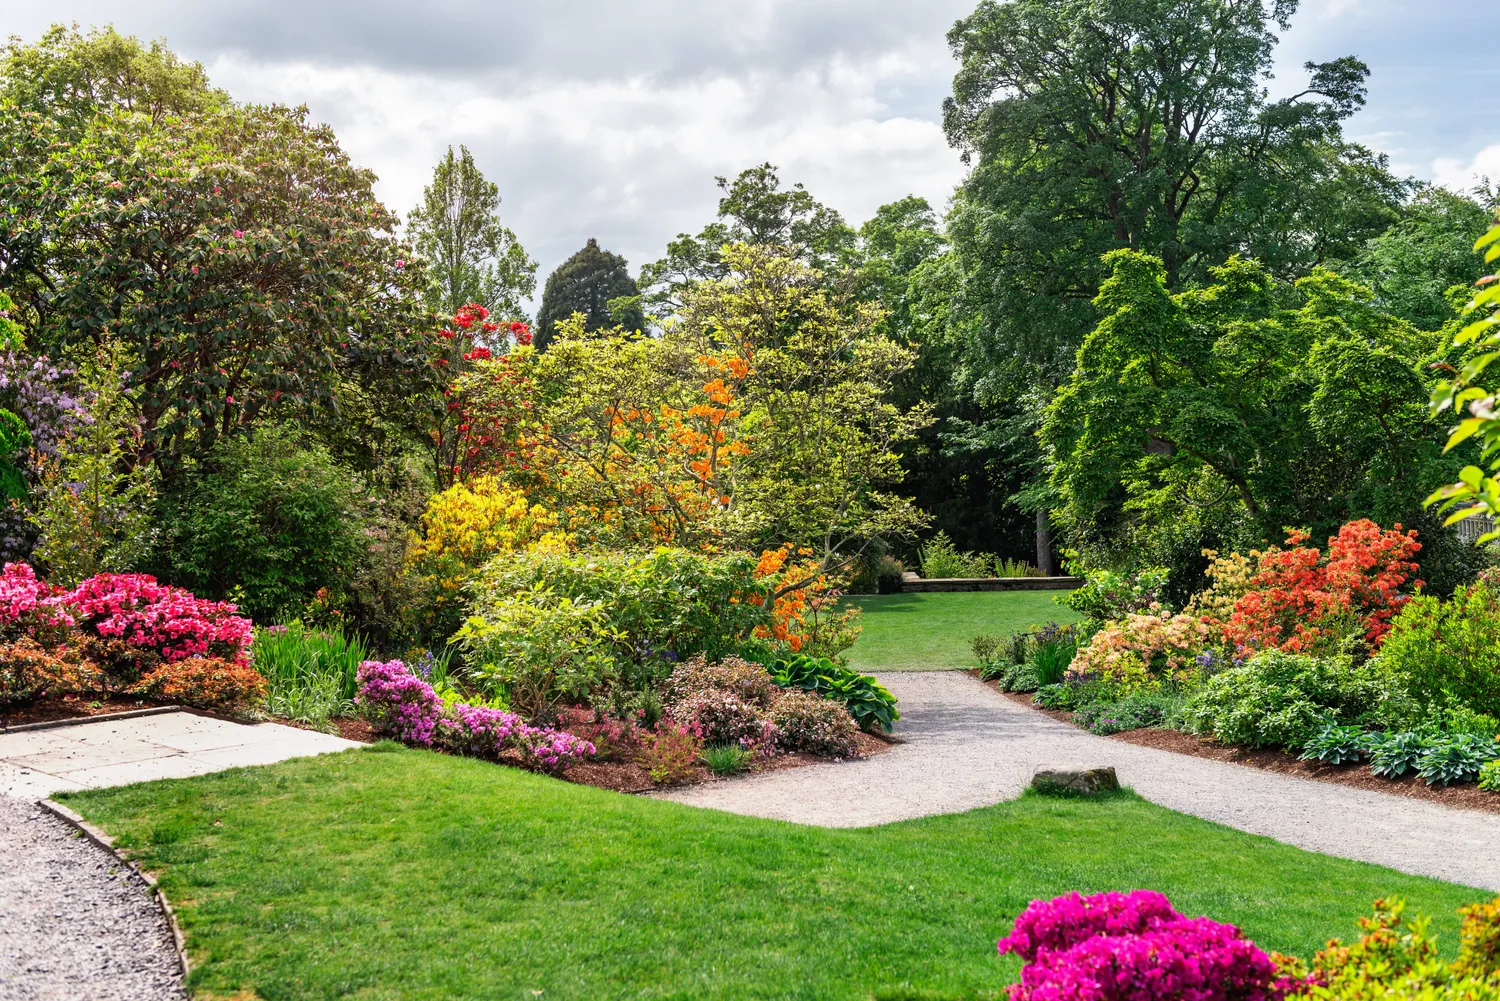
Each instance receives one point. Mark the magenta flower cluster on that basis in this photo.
(1134, 947)
(170, 620)
(408, 708)
(27, 599)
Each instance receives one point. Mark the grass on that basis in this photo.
(396, 874)
(918, 632)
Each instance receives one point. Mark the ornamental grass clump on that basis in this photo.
(1134, 947)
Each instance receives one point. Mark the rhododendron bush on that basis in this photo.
(168, 620)
(1143, 651)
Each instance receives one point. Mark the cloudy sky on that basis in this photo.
(611, 119)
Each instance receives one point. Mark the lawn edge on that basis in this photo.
(104, 841)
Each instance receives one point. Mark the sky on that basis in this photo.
(611, 119)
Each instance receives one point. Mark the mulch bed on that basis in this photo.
(1460, 797)
(55, 708)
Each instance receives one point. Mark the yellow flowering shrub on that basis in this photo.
(466, 526)
(1229, 580)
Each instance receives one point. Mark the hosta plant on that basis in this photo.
(1393, 755)
(1337, 745)
(1457, 757)
(868, 701)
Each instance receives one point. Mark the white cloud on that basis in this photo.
(1462, 175)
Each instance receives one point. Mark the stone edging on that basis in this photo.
(919, 585)
(98, 837)
(52, 724)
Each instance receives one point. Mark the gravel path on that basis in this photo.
(75, 925)
(966, 747)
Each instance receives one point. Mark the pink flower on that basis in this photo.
(238, 233)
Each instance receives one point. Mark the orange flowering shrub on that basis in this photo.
(804, 604)
(27, 671)
(205, 682)
(1142, 650)
(1303, 601)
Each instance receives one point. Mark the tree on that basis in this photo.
(471, 257)
(1095, 125)
(755, 209)
(237, 257)
(1241, 406)
(587, 283)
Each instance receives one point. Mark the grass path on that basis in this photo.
(918, 632)
(397, 874)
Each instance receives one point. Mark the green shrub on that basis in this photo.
(1489, 776)
(270, 519)
(1282, 699)
(941, 558)
(988, 655)
(660, 607)
(537, 649)
(1134, 712)
(867, 700)
(1107, 595)
(1449, 651)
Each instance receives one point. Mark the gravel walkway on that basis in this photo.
(75, 925)
(967, 747)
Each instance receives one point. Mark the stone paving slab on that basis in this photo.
(967, 746)
(37, 763)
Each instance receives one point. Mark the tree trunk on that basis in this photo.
(1044, 545)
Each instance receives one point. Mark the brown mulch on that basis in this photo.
(1460, 797)
(55, 708)
(349, 729)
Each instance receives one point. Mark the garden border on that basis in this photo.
(922, 585)
(104, 841)
(51, 724)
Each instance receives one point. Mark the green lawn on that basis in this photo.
(398, 874)
(916, 632)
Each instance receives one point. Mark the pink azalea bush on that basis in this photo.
(1134, 947)
(27, 603)
(403, 705)
(171, 621)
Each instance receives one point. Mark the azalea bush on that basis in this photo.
(169, 621)
(204, 682)
(27, 671)
(1144, 651)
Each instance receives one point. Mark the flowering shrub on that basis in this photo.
(480, 731)
(718, 716)
(670, 753)
(167, 620)
(1134, 947)
(205, 682)
(612, 737)
(808, 722)
(27, 607)
(806, 618)
(27, 671)
(551, 751)
(750, 681)
(1143, 650)
(1302, 601)
(398, 702)
(1109, 595)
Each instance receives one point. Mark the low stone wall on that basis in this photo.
(991, 584)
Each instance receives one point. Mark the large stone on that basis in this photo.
(1075, 779)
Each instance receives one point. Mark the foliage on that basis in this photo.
(1448, 650)
(1489, 776)
(1180, 154)
(471, 257)
(720, 717)
(29, 608)
(40, 393)
(940, 558)
(29, 671)
(272, 519)
(1143, 651)
(93, 506)
(670, 753)
(169, 622)
(662, 606)
(1337, 745)
(538, 649)
(727, 759)
(867, 700)
(1457, 757)
(1107, 594)
(1300, 600)
(1133, 947)
(805, 722)
(463, 528)
(235, 256)
(1284, 699)
(1393, 755)
(590, 282)
(1133, 712)
(1413, 264)
(206, 682)
(614, 738)
(989, 656)
(748, 681)
(311, 674)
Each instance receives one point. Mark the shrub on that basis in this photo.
(867, 700)
(27, 671)
(204, 682)
(1133, 947)
(657, 608)
(538, 649)
(1143, 651)
(941, 558)
(1134, 712)
(1282, 699)
(805, 722)
(398, 702)
(670, 753)
(748, 680)
(28, 607)
(890, 575)
(167, 621)
(1449, 650)
(1107, 595)
(1300, 600)
(270, 518)
(1489, 776)
(551, 751)
(1337, 745)
(988, 656)
(719, 716)
(614, 738)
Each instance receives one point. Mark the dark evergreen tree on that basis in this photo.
(586, 283)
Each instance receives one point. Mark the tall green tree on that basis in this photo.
(1094, 125)
(755, 209)
(587, 283)
(471, 256)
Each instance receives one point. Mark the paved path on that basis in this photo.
(36, 763)
(967, 747)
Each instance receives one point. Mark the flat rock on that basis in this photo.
(1085, 780)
